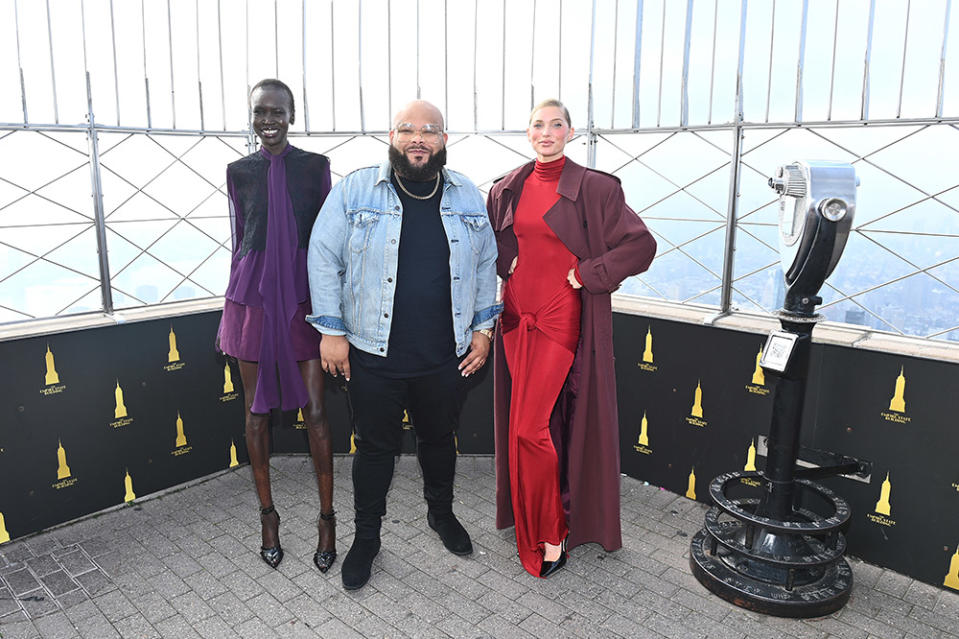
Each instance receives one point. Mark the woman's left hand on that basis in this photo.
(572, 279)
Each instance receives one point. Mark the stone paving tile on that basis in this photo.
(185, 565)
(21, 582)
(76, 563)
(59, 583)
(56, 626)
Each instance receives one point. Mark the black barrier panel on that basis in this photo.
(899, 413)
(94, 418)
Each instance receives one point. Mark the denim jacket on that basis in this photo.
(354, 250)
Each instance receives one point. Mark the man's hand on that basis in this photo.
(479, 350)
(571, 278)
(335, 355)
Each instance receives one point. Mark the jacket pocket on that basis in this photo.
(362, 224)
(476, 226)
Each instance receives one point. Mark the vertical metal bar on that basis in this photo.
(475, 49)
(99, 218)
(389, 59)
(662, 50)
(332, 67)
(146, 77)
(219, 43)
(250, 137)
(446, 64)
(199, 70)
(732, 208)
(864, 113)
(418, 92)
(905, 46)
(276, 41)
(53, 71)
(306, 102)
(712, 66)
(559, 65)
(942, 60)
(169, 30)
(684, 89)
(612, 107)
(359, 61)
(832, 71)
(739, 64)
(502, 101)
(590, 135)
(83, 43)
(116, 77)
(797, 114)
(532, 60)
(637, 54)
(772, 47)
(23, 86)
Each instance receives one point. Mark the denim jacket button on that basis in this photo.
(389, 279)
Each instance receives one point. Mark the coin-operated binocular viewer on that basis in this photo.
(782, 553)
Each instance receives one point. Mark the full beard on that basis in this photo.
(405, 168)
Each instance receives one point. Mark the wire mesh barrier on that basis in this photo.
(123, 116)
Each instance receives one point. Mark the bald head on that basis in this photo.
(419, 111)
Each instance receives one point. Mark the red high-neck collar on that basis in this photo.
(549, 171)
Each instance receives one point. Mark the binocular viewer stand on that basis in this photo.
(781, 553)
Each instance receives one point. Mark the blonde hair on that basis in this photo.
(551, 102)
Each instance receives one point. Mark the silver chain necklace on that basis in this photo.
(418, 197)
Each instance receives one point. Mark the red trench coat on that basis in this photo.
(592, 219)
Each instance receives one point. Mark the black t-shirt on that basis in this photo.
(421, 331)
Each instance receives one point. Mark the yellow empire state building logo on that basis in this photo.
(63, 471)
(759, 379)
(174, 354)
(898, 401)
(883, 506)
(4, 535)
(750, 456)
(691, 488)
(647, 363)
(52, 377)
(952, 577)
(233, 460)
(697, 409)
(128, 494)
(695, 417)
(119, 410)
(180, 436)
(643, 435)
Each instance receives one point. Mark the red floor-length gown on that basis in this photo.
(540, 324)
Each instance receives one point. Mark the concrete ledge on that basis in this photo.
(848, 335)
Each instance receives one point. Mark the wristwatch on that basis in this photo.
(488, 332)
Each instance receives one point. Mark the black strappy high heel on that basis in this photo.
(272, 556)
(323, 559)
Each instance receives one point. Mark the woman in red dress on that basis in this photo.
(566, 240)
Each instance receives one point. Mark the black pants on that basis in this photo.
(377, 404)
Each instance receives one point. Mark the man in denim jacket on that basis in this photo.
(402, 265)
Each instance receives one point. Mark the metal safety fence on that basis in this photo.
(121, 117)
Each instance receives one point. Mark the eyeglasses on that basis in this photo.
(430, 132)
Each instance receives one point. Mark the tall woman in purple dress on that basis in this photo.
(274, 196)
